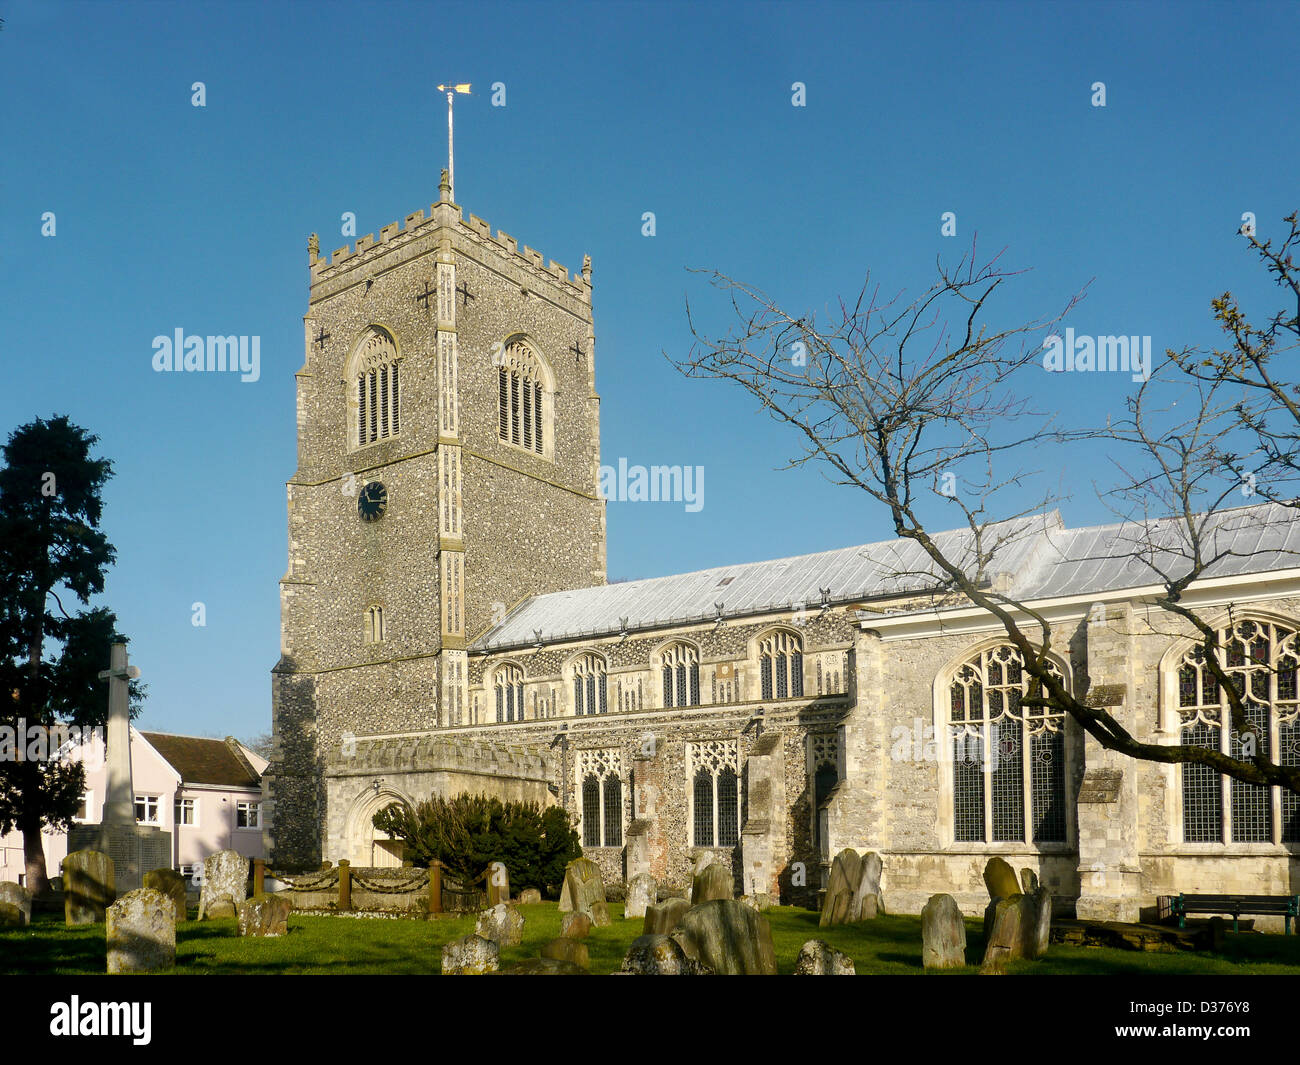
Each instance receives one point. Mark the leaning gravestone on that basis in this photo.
(20, 898)
(701, 862)
(821, 959)
(728, 937)
(713, 882)
(655, 955)
(641, 892)
(1039, 930)
(264, 915)
(170, 883)
(225, 884)
(1000, 879)
(570, 950)
(502, 924)
(867, 903)
(943, 934)
(88, 887)
(583, 886)
(470, 956)
(1008, 925)
(1028, 881)
(663, 918)
(853, 890)
(141, 932)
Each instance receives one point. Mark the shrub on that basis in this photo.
(469, 832)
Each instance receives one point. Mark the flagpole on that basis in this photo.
(451, 91)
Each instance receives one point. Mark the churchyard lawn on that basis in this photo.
(325, 945)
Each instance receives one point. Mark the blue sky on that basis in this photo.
(172, 216)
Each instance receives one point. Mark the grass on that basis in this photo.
(887, 945)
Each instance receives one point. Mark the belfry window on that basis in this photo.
(521, 398)
(377, 383)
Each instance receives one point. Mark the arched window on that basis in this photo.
(376, 386)
(600, 773)
(1261, 659)
(521, 397)
(589, 686)
(1008, 760)
(712, 770)
(374, 624)
(510, 693)
(681, 675)
(780, 665)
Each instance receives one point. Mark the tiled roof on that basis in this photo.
(204, 761)
(1043, 558)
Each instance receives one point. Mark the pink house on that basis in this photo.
(206, 793)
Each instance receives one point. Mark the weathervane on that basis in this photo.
(451, 91)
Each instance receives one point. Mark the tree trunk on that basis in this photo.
(38, 882)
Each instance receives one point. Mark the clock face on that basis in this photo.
(372, 501)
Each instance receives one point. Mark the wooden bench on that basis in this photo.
(1285, 906)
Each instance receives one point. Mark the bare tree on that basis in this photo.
(915, 404)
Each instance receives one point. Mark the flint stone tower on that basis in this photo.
(448, 462)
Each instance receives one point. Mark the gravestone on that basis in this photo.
(470, 956)
(225, 884)
(141, 932)
(1028, 881)
(663, 918)
(867, 902)
(821, 959)
(132, 847)
(19, 897)
(570, 950)
(943, 934)
(1008, 925)
(544, 967)
(503, 924)
(713, 882)
(656, 955)
(853, 890)
(264, 915)
(583, 886)
(89, 887)
(641, 892)
(728, 937)
(575, 925)
(599, 914)
(170, 883)
(699, 863)
(10, 915)
(529, 895)
(1000, 879)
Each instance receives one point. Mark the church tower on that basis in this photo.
(448, 463)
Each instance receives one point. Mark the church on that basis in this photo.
(447, 627)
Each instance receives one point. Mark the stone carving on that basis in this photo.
(821, 959)
(88, 887)
(264, 915)
(225, 884)
(503, 924)
(1000, 879)
(713, 882)
(727, 937)
(583, 886)
(570, 950)
(18, 897)
(663, 918)
(656, 955)
(943, 934)
(853, 892)
(470, 956)
(642, 890)
(141, 932)
(171, 884)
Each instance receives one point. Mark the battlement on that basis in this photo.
(396, 233)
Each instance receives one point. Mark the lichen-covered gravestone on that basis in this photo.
(1000, 879)
(225, 884)
(821, 959)
(663, 918)
(470, 956)
(575, 925)
(89, 887)
(943, 934)
(728, 937)
(529, 895)
(853, 890)
(19, 898)
(713, 882)
(566, 949)
(141, 932)
(583, 886)
(264, 915)
(701, 862)
(655, 955)
(502, 924)
(642, 890)
(170, 883)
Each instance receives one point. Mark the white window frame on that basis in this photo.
(254, 807)
(194, 809)
(157, 806)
